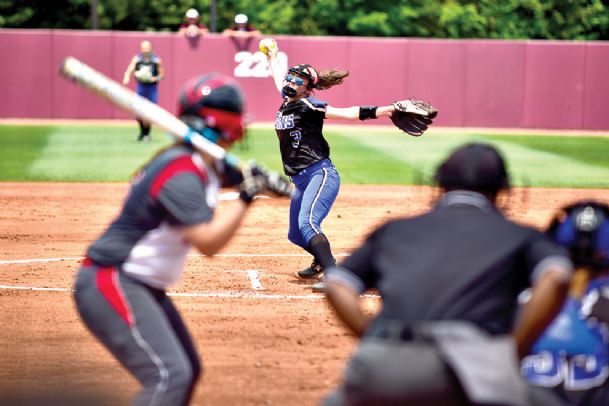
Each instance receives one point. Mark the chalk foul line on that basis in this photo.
(235, 255)
(217, 294)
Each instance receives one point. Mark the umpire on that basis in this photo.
(449, 280)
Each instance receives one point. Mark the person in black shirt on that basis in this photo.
(449, 280)
(147, 68)
(306, 154)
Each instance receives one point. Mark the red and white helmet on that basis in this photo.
(212, 104)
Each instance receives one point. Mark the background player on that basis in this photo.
(449, 281)
(306, 154)
(148, 70)
(120, 288)
(572, 356)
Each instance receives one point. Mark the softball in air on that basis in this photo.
(266, 44)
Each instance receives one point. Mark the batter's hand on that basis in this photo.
(258, 179)
(279, 185)
(254, 181)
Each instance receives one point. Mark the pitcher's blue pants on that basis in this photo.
(316, 190)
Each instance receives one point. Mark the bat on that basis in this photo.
(125, 98)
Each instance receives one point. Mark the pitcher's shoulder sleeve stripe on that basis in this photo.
(314, 104)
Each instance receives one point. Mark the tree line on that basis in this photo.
(505, 19)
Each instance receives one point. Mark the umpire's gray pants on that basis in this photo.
(392, 372)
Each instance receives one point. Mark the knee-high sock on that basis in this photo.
(319, 246)
(142, 125)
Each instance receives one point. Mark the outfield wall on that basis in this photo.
(474, 83)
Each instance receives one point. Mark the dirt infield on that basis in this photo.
(264, 338)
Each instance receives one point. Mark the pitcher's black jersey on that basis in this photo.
(299, 127)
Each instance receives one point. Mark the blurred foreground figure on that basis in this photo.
(449, 281)
(572, 356)
(120, 290)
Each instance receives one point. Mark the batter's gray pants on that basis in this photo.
(143, 330)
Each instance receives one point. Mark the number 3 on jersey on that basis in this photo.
(297, 137)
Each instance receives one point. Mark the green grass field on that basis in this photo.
(372, 155)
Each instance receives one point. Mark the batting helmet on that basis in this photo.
(212, 105)
(476, 166)
(307, 71)
(583, 228)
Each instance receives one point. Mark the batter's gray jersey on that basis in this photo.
(145, 241)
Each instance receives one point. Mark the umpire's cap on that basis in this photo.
(583, 228)
(475, 166)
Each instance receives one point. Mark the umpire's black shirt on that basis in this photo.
(461, 261)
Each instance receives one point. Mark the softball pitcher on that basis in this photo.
(120, 288)
(306, 154)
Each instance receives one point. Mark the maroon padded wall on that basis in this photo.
(474, 83)
(94, 49)
(493, 83)
(596, 85)
(26, 80)
(553, 85)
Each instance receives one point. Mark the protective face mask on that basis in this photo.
(288, 91)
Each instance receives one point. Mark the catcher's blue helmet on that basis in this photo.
(583, 228)
(212, 105)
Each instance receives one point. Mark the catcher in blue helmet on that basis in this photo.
(572, 356)
(305, 152)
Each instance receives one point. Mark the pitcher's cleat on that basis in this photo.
(312, 271)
